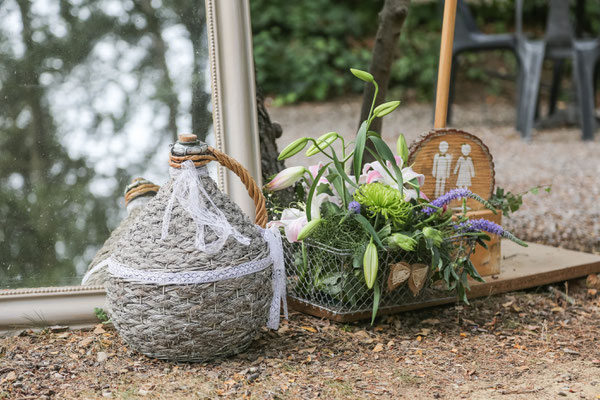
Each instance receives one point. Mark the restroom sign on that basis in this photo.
(450, 159)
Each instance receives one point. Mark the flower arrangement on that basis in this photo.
(374, 209)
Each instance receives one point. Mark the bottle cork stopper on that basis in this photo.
(187, 138)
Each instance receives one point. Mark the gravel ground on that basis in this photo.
(568, 217)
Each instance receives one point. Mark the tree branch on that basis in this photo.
(391, 19)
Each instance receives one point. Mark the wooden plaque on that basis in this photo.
(451, 158)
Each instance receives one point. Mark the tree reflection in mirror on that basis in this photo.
(91, 93)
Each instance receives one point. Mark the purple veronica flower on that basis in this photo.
(454, 194)
(354, 207)
(484, 225)
(480, 225)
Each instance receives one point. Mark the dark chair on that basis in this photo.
(468, 38)
(558, 44)
(586, 55)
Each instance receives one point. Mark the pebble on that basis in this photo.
(101, 357)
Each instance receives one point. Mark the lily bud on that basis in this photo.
(404, 242)
(309, 228)
(370, 264)
(385, 108)
(433, 234)
(402, 148)
(293, 148)
(323, 142)
(362, 75)
(286, 178)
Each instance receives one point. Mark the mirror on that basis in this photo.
(91, 93)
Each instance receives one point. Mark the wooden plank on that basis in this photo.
(536, 265)
(522, 268)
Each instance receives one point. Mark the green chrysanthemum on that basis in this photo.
(384, 200)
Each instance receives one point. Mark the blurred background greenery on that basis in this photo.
(303, 49)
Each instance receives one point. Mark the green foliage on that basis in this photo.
(510, 202)
(101, 315)
(385, 201)
(302, 49)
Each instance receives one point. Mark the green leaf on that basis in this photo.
(386, 153)
(376, 299)
(359, 149)
(369, 228)
(340, 170)
(313, 187)
(362, 75)
(339, 186)
(535, 190)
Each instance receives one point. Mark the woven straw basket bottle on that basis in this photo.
(137, 194)
(191, 280)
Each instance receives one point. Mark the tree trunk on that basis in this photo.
(268, 133)
(154, 27)
(391, 19)
(193, 17)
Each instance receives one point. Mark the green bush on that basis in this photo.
(303, 50)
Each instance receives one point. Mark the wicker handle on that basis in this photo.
(213, 154)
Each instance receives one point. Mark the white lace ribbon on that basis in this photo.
(275, 258)
(191, 195)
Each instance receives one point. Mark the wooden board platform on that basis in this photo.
(536, 265)
(522, 268)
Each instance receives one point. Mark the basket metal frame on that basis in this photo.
(334, 300)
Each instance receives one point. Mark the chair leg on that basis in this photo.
(531, 57)
(585, 57)
(453, 72)
(557, 72)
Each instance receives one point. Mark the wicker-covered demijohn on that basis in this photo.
(192, 280)
(137, 194)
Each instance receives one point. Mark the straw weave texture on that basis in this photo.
(189, 322)
(100, 277)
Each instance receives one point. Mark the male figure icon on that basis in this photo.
(442, 162)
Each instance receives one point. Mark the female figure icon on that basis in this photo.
(464, 167)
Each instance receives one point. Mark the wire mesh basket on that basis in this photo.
(329, 282)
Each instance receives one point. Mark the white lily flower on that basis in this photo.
(374, 172)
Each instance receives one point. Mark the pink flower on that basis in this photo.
(286, 178)
(375, 172)
(293, 219)
(314, 171)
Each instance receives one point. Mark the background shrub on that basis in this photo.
(303, 50)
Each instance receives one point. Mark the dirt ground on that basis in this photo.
(524, 345)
